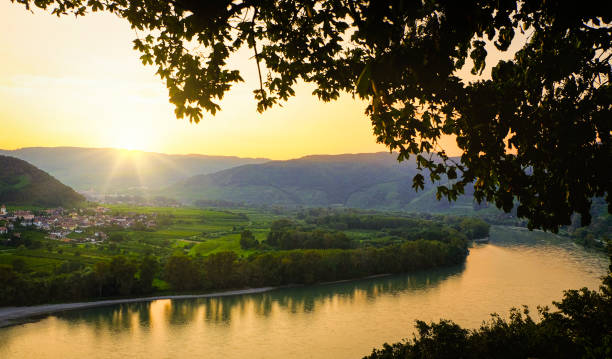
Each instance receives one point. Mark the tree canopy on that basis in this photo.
(536, 133)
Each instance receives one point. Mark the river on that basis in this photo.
(341, 320)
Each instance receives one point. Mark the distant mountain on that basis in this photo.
(23, 184)
(111, 170)
(372, 180)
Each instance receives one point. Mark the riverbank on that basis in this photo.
(15, 315)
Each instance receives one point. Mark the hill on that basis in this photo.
(23, 184)
(112, 170)
(370, 180)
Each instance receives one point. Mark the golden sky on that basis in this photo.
(77, 82)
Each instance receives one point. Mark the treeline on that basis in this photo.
(580, 328)
(124, 277)
(473, 228)
(407, 227)
(73, 281)
(285, 234)
(227, 270)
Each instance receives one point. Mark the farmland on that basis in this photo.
(191, 230)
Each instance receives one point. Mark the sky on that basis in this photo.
(77, 82)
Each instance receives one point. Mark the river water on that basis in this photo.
(342, 320)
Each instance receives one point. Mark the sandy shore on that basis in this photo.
(15, 315)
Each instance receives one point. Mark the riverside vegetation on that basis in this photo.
(580, 327)
(202, 250)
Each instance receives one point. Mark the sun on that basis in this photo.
(133, 139)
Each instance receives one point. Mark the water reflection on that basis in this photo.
(302, 299)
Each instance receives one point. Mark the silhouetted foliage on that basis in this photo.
(581, 327)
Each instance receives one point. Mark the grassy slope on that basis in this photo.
(23, 184)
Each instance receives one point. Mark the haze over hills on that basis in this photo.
(369, 180)
(113, 170)
(366, 180)
(23, 184)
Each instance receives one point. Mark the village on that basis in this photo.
(88, 225)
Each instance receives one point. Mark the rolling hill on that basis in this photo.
(370, 180)
(23, 184)
(111, 170)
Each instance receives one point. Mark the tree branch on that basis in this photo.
(255, 50)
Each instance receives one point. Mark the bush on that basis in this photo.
(580, 328)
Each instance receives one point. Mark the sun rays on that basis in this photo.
(126, 162)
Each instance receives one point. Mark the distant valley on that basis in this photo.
(367, 180)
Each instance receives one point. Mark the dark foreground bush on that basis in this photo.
(580, 327)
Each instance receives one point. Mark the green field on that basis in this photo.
(193, 231)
